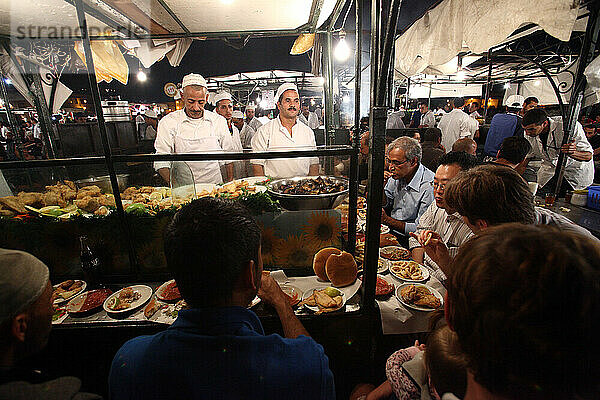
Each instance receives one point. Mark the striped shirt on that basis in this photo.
(450, 227)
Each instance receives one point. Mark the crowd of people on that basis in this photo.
(26, 144)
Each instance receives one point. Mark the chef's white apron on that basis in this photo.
(202, 171)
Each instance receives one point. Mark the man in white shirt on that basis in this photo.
(394, 120)
(151, 120)
(194, 130)
(224, 107)
(246, 131)
(427, 117)
(285, 133)
(308, 118)
(456, 125)
(439, 218)
(545, 136)
(474, 110)
(251, 119)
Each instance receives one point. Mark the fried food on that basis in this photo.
(152, 307)
(70, 184)
(89, 204)
(419, 296)
(324, 301)
(89, 191)
(124, 299)
(407, 270)
(53, 198)
(31, 199)
(13, 203)
(395, 253)
(428, 238)
(129, 193)
(107, 200)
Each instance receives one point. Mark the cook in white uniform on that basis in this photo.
(285, 133)
(194, 130)
(251, 118)
(308, 118)
(246, 131)
(224, 107)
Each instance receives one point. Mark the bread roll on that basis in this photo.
(320, 260)
(341, 269)
(387, 239)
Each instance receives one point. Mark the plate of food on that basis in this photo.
(66, 290)
(382, 287)
(168, 291)
(256, 180)
(394, 253)
(419, 297)
(323, 299)
(409, 271)
(88, 301)
(153, 307)
(293, 293)
(127, 299)
(384, 229)
(59, 315)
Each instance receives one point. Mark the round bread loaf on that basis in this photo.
(341, 269)
(320, 259)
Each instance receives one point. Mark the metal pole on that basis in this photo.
(9, 114)
(329, 122)
(429, 97)
(487, 86)
(588, 49)
(407, 93)
(89, 61)
(354, 172)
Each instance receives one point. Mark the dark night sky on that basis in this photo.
(215, 57)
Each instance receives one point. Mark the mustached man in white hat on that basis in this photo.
(285, 133)
(25, 324)
(224, 107)
(251, 119)
(193, 130)
(151, 120)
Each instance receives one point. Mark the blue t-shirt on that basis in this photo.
(502, 126)
(220, 353)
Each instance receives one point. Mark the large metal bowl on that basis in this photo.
(103, 182)
(305, 201)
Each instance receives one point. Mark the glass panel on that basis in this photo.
(46, 210)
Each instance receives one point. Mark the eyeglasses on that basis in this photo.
(395, 163)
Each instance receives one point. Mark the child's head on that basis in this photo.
(446, 365)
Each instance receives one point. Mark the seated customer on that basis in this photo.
(408, 192)
(432, 148)
(490, 195)
(513, 153)
(218, 349)
(524, 302)
(467, 145)
(25, 324)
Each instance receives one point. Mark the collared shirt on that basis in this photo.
(273, 136)
(177, 133)
(220, 353)
(503, 125)
(579, 174)
(394, 120)
(546, 217)
(254, 123)
(456, 125)
(410, 200)
(428, 119)
(246, 135)
(312, 122)
(450, 227)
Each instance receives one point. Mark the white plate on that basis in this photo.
(159, 293)
(61, 300)
(384, 248)
(424, 272)
(254, 302)
(292, 290)
(419, 308)
(145, 291)
(309, 292)
(253, 180)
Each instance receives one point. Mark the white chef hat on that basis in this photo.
(222, 96)
(515, 101)
(23, 279)
(150, 114)
(283, 88)
(193, 79)
(237, 114)
(250, 107)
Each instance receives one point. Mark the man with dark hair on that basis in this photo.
(546, 136)
(466, 145)
(474, 110)
(432, 148)
(456, 125)
(504, 125)
(439, 217)
(423, 117)
(524, 302)
(529, 104)
(512, 153)
(218, 349)
(308, 118)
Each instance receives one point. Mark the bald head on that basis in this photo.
(467, 145)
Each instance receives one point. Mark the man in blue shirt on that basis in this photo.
(504, 125)
(218, 349)
(409, 190)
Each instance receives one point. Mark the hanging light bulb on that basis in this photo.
(7, 81)
(346, 99)
(342, 51)
(460, 75)
(507, 85)
(141, 76)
